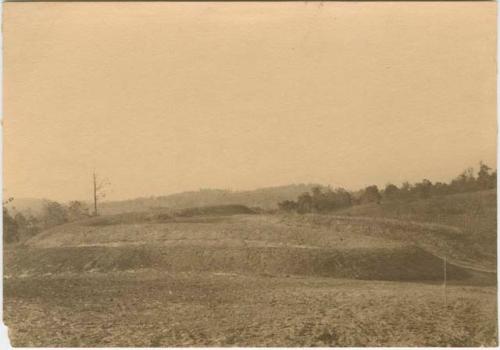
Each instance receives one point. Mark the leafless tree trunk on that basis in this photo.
(99, 193)
(95, 194)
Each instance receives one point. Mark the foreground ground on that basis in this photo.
(257, 280)
(148, 308)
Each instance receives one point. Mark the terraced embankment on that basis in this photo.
(253, 244)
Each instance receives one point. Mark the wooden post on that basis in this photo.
(444, 284)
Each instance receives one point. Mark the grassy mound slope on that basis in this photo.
(395, 263)
(244, 244)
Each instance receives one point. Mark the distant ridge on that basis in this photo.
(265, 198)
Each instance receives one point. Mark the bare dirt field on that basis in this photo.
(148, 308)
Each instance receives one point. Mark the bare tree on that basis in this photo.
(99, 186)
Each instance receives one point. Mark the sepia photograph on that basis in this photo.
(250, 174)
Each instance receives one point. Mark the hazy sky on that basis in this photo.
(167, 97)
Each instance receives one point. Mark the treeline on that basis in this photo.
(19, 225)
(324, 199)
